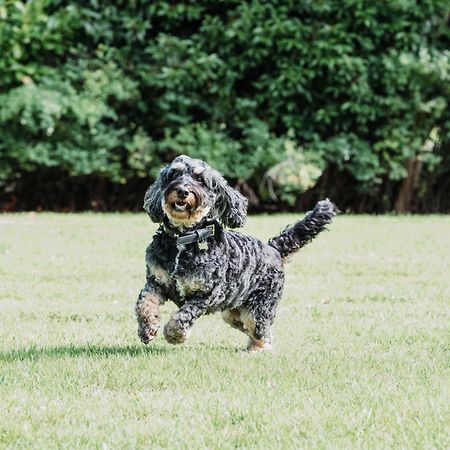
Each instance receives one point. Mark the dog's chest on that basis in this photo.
(183, 276)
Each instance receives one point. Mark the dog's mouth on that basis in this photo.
(184, 212)
(180, 205)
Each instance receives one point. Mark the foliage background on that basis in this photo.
(291, 100)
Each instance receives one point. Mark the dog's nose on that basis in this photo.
(182, 192)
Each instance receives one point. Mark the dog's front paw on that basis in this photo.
(147, 332)
(148, 315)
(175, 331)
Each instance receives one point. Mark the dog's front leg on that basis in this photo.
(178, 329)
(147, 314)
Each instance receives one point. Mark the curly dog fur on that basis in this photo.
(238, 275)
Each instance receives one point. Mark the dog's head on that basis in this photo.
(188, 190)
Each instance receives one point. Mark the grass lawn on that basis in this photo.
(361, 355)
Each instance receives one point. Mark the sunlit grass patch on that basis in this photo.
(361, 354)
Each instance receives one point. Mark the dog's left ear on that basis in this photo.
(231, 204)
(235, 211)
(153, 199)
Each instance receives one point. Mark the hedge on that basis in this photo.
(289, 99)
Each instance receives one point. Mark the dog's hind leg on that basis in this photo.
(233, 318)
(148, 315)
(261, 307)
(257, 329)
(261, 339)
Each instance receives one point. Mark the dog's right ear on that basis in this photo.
(153, 200)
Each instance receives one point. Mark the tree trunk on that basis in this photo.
(405, 195)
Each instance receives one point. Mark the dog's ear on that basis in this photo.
(231, 205)
(153, 200)
(235, 211)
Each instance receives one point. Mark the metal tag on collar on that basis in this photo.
(203, 244)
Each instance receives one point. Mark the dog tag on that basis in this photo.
(203, 245)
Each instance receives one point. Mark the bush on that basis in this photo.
(111, 90)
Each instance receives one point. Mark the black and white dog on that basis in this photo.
(203, 268)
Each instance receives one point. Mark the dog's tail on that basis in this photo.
(296, 236)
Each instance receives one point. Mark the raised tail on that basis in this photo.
(296, 236)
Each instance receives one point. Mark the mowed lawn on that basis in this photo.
(361, 355)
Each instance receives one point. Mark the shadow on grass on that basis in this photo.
(106, 351)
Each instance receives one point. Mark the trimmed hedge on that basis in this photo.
(283, 97)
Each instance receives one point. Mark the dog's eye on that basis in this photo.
(172, 174)
(199, 178)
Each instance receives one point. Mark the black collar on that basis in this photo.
(188, 237)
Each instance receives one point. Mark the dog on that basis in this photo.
(204, 268)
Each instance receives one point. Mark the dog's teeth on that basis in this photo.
(180, 206)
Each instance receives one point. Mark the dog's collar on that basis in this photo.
(197, 235)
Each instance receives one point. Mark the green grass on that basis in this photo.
(361, 359)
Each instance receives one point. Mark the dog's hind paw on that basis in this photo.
(259, 345)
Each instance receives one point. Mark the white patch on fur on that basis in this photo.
(242, 316)
(241, 319)
(190, 285)
(179, 166)
(198, 170)
(160, 274)
(227, 316)
(182, 224)
(177, 258)
(247, 320)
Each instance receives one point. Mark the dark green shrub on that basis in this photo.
(259, 89)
